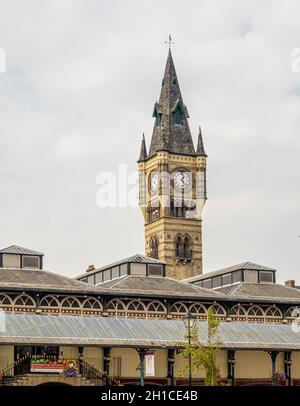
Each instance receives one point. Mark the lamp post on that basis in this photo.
(189, 322)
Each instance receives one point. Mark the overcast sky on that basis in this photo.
(82, 78)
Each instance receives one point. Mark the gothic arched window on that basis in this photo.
(154, 247)
(186, 248)
(178, 247)
(49, 301)
(24, 300)
(183, 247)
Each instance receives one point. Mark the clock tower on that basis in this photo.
(173, 184)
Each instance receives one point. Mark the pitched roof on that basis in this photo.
(15, 249)
(168, 136)
(153, 333)
(249, 266)
(269, 291)
(25, 279)
(136, 258)
(159, 286)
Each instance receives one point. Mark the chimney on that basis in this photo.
(290, 283)
(90, 268)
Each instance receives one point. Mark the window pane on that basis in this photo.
(84, 280)
(115, 272)
(31, 262)
(266, 276)
(106, 275)
(98, 277)
(138, 269)
(226, 279)
(217, 281)
(207, 284)
(123, 269)
(11, 261)
(91, 279)
(250, 276)
(237, 276)
(155, 270)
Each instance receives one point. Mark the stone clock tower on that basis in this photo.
(173, 184)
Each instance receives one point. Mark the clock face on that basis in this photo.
(182, 180)
(154, 182)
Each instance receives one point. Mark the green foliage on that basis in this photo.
(204, 357)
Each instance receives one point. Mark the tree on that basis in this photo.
(204, 356)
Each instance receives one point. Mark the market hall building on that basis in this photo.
(126, 322)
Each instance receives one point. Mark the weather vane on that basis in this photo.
(170, 41)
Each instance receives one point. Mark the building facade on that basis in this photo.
(124, 323)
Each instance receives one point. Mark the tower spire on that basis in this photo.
(171, 130)
(143, 153)
(200, 146)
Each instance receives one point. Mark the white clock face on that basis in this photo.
(154, 182)
(182, 180)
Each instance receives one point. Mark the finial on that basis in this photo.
(170, 41)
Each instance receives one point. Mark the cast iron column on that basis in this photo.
(171, 361)
(287, 366)
(231, 365)
(142, 353)
(106, 362)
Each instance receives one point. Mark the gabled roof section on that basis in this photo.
(137, 258)
(158, 286)
(249, 266)
(15, 249)
(262, 291)
(25, 279)
(167, 134)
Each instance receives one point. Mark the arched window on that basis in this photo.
(198, 309)
(136, 306)
(49, 301)
(92, 304)
(186, 248)
(156, 307)
(5, 300)
(218, 310)
(178, 247)
(238, 310)
(70, 302)
(183, 247)
(256, 312)
(24, 300)
(154, 247)
(115, 304)
(273, 311)
(292, 312)
(179, 307)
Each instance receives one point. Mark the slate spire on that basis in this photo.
(200, 146)
(143, 153)
(171, 130)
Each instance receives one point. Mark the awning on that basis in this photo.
(151, 333)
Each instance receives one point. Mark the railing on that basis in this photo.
(93, 375)
(22, 366)
(15, 370)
